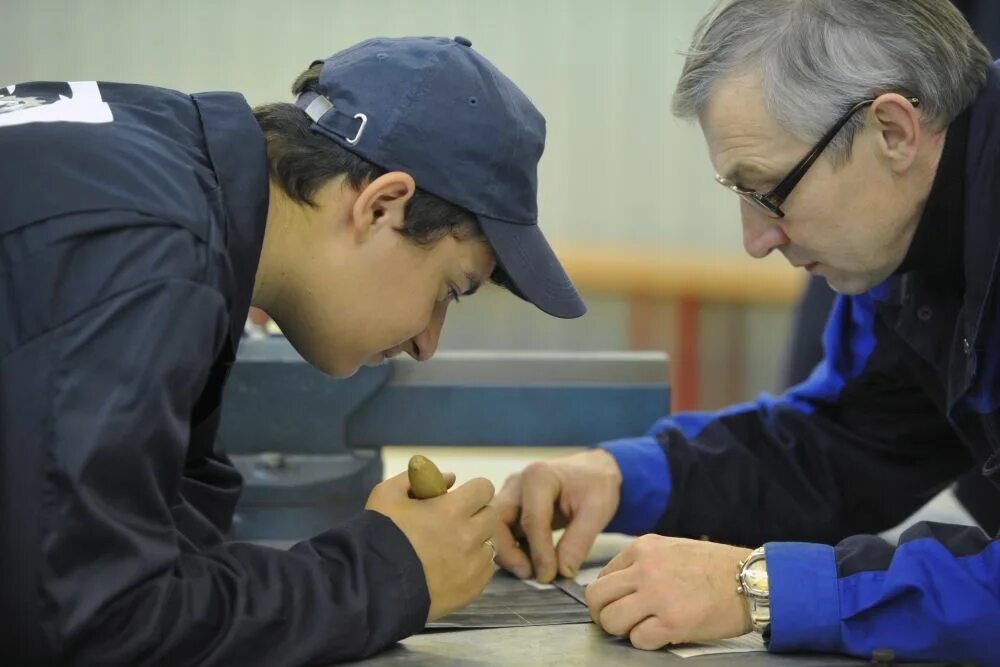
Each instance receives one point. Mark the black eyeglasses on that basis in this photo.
(772, 201)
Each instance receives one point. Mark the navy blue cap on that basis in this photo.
(436, 109)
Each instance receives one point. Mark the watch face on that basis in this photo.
(755, 578)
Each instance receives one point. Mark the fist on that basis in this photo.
(668, 590)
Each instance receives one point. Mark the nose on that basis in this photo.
(423, 346)
(761, 234)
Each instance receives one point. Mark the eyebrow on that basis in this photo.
(744, 172)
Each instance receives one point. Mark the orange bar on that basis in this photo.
(684, 388)
(662, 275)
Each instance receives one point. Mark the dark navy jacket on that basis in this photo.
(906, 399)
(131, 226)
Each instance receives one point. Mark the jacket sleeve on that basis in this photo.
(114, 581)
(934, 597)
(856, 448)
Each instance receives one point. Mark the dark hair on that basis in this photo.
(301, 161)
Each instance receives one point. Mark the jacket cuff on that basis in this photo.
(389, 545)
(805, 598)
(645, 484)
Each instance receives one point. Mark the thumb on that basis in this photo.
(575, 544)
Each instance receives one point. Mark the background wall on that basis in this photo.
(619, 171)
(602, 73)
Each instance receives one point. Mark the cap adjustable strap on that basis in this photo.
(318, 106)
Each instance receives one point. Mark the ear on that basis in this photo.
(900, 134)
(382, 202)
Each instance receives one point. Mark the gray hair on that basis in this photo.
(816, 58)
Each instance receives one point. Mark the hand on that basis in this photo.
(448, 533)
(668, 590)
(579, 492)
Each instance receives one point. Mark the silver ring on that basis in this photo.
(489, 543)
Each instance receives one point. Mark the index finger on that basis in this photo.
(539, 491)
(510, 556)
(608, 589)
(623, 559)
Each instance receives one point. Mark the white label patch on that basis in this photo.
(28, 105)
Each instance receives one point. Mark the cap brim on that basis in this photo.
(533, 268)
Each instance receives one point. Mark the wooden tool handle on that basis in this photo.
(426, 481)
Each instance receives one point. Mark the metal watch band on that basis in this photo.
(758, 602)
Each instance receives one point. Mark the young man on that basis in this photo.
(863, 138)
(139, 226)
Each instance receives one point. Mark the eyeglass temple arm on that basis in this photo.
(781, 190)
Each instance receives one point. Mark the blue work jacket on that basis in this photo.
(906, 399)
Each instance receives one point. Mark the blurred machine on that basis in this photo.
(308, 446)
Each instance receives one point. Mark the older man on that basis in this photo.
(863, 139)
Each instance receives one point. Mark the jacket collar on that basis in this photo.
(982, 207)
(238, 153)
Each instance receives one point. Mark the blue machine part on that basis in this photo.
(308, 445)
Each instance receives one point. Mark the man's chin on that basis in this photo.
(339, 372)
(849, 285)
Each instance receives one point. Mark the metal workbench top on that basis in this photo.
(582, 644)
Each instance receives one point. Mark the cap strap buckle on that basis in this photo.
(361, 128)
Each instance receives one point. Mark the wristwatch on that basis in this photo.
(753, 586)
